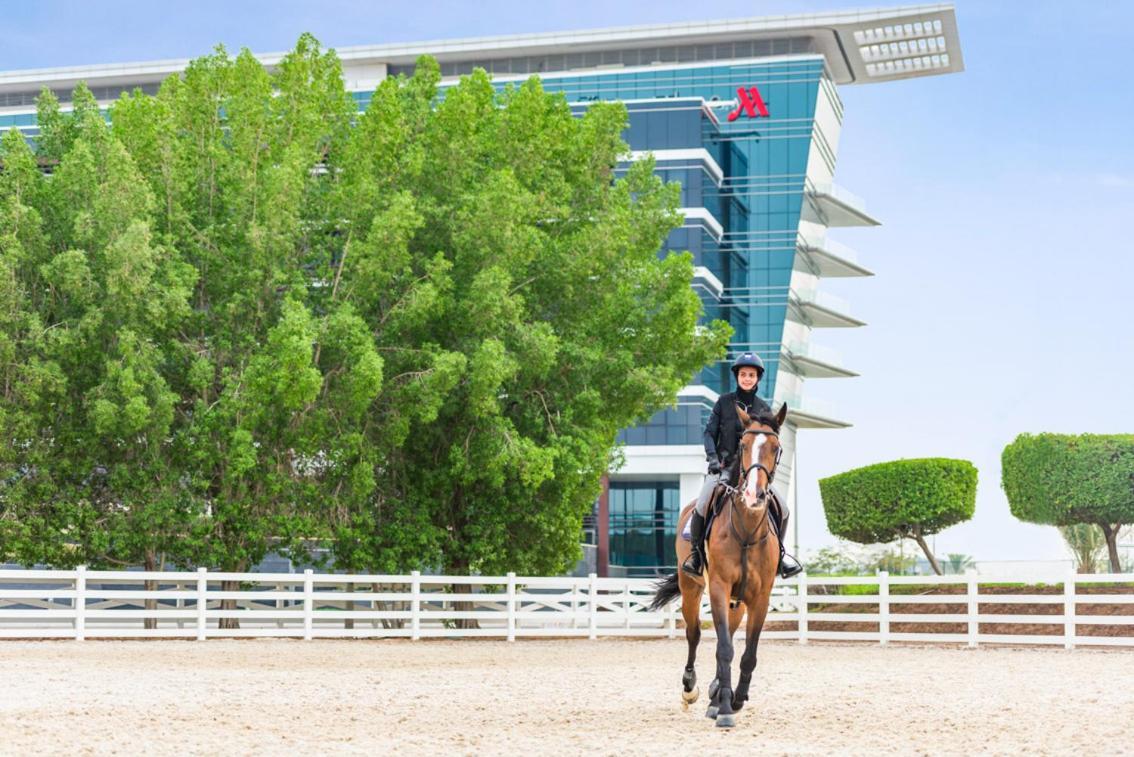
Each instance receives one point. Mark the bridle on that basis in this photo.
(758, 465)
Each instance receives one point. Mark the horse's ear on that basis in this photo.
(782, 415)
(744, 419)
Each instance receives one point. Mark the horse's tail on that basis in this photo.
(666, 589)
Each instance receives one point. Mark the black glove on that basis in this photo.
(715, 467)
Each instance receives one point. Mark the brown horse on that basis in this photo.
(742, 556)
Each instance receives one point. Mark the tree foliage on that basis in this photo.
(1062, 480)
(902, 499)
(242, 316)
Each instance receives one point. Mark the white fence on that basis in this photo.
(81, 604)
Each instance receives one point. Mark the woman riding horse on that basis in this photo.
(722, 437)
(740, 570)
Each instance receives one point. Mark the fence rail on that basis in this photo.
(1069, 611)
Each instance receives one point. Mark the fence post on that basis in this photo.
(883, 607)
(202, 603)
(511, 606)
(592, 596)
(626, 603)
(1069, 610)
(801, 603)
(80, 604)
(575, 603)
(415, 605)
(974, 607)
(308, 603)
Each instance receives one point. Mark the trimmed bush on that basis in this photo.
(1064, 479)
(902, 499)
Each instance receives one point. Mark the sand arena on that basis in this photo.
(573, 696)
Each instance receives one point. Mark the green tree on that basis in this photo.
(957, 563)
(245, 317)
(1087, 543)
(903, 499)
(1063, 480)
(516, 292)
(92, 409)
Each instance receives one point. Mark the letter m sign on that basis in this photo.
(750, 103)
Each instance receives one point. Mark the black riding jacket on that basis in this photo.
(722, 434)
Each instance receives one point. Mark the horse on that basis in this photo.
(743, 555)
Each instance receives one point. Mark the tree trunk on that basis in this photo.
(928, 555)
(150, 564)
(1111, 534)
(464, 607)
(460, 568)
(229, 604)
(349, 622)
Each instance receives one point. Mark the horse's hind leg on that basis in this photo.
(691, 613)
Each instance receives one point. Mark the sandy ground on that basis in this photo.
(552, 697)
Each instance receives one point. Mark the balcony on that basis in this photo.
(811, 361)
(706, 281)
(831, 205)
(820, 310)
(809, 413)
(828, 258)
(701, 218)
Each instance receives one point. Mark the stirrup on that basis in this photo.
(789, 566)
(692, 565)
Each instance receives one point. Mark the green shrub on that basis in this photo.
(902, 499)
(1063, 479)
(899, 499)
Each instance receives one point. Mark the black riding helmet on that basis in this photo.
(748, 360)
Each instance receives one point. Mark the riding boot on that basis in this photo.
(788, 566)
(694, 565)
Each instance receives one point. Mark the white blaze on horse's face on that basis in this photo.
(752, 482)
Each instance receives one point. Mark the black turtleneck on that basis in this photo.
(747, 399)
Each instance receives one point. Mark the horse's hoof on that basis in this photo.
(712, 711)
(726, 721)
(689, 697)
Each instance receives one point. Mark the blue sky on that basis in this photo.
(1002, 300)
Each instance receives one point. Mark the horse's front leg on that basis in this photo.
(756, 616)
(718, 600)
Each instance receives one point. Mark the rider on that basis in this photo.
(722, 439)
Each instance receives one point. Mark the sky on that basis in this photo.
(1002, 297)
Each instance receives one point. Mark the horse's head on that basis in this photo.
(760, 452)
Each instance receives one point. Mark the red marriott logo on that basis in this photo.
(750, 103)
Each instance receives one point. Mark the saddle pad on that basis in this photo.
(687, 531)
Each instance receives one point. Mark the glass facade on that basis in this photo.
(643, 525)
(742, 188)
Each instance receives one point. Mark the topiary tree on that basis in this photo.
(902, 499)
(1062, 479)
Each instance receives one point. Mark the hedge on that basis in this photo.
(899, 499)
(1061, 479)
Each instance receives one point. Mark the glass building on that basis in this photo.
(746, 115)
